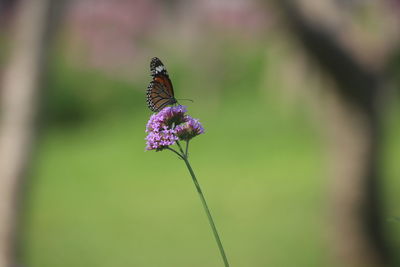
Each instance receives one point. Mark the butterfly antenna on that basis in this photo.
(185, 99)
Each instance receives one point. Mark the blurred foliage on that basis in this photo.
(4, 48)
(97, 199)
(393, 71)
(75, 95)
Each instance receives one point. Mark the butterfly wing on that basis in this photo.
(160, 92)
(158, 97)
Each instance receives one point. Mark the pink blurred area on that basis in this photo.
(111, 35)
(108, 31)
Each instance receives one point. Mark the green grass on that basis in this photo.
(98, 199)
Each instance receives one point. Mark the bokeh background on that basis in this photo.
(94, 197)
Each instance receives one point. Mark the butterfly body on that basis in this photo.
(160, 92)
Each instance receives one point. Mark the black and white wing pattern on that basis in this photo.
(160, 92)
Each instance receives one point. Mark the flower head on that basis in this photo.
(170, 125)
(189, 129)
(160, 140)
(167, 118)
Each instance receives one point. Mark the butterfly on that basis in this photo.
(160, 92)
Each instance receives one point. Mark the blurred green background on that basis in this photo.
(96, 198)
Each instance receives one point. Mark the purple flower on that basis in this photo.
(170, 125)
(167, 118)
(189, 129)
(160, 140)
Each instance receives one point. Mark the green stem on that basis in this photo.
(187, 149)
(176, 152)
(180, 148)
(207, 210)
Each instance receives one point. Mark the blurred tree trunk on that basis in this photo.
(32, 28)
(354, 139)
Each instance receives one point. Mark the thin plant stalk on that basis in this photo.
(161, 135)
(184, 156)
(187, 148)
